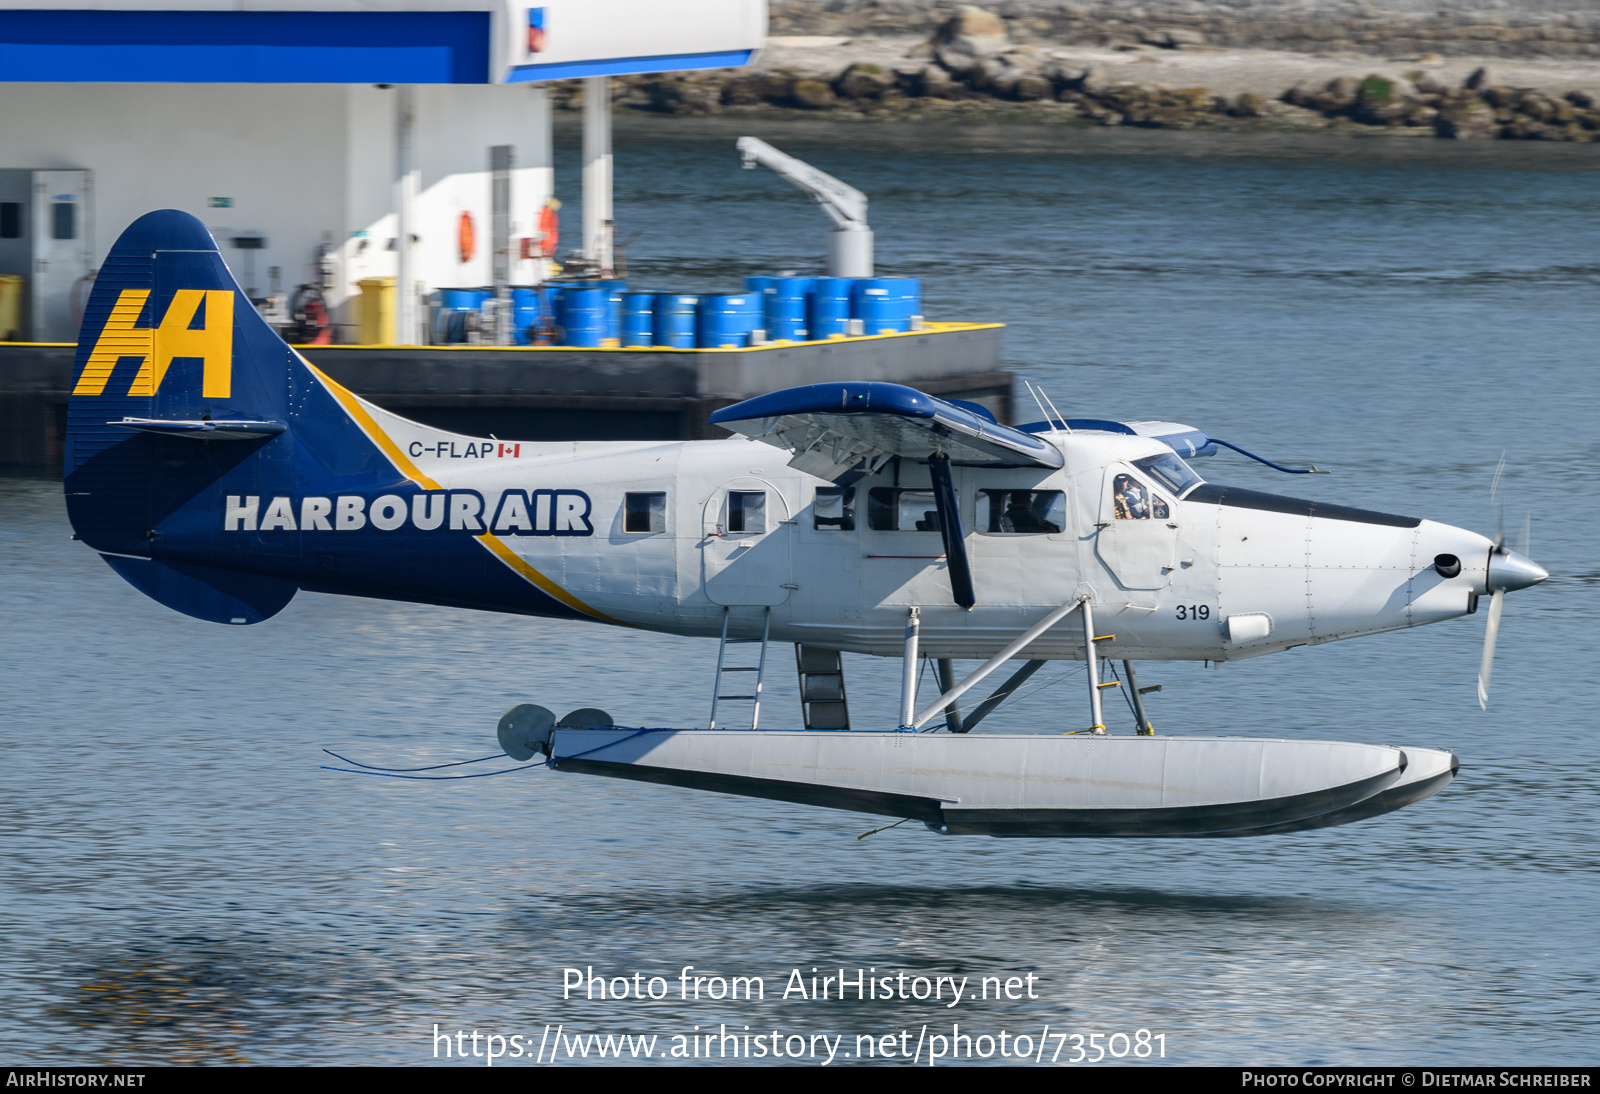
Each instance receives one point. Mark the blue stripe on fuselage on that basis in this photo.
(325, 454)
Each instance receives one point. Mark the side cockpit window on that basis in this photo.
(1133, 500)
(1021, 512)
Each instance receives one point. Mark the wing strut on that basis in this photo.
(955, 543)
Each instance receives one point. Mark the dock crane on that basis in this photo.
(850, 241)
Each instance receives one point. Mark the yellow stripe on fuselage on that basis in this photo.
(372, 429)
(505, 554)
(403, 464)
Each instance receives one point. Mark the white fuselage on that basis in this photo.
(735, 528)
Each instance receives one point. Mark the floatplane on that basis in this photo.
(219, 472)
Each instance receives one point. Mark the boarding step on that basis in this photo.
(753, 697)
(822, 697)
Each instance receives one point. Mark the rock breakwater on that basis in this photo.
(1477, 28)
(972, 66)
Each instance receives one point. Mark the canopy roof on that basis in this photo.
(369, 41)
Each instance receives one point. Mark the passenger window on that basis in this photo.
(10, 220)
(747, 511)
(644, 512)
(835, 508)
(893, 510)
(1134, 500)
(1020, 512)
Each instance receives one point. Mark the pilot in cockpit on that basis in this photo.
(1131, 501)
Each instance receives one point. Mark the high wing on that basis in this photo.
(843, 432)
(835, 430)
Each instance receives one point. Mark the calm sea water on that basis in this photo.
(179, 881)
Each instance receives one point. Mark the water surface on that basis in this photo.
(181, 882)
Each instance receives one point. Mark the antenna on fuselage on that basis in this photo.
(1053, 409)
(1052, 417)
(1038, 402)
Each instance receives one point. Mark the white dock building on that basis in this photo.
(323, 143)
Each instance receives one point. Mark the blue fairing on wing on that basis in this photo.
(1101, 425)
(865, 397)
(1185, 441)
(1190, 445)
(826, 402)
(163, 498)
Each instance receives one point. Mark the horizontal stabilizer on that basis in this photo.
(203, 429)
(205, 592)
(836, 429)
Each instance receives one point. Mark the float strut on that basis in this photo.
(1092, 660)
(1002, 693)
(1145, 728)
(947, 680)
(908, 673)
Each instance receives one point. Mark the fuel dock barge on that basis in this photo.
(550, 393)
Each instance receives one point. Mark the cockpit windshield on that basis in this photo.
(1170, 471)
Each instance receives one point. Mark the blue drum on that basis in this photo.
(725, 320)
(638, 319)
(614, 317)
(784, 307)
(674, 320)
(828, 308)
(885, 305)
(583, 316)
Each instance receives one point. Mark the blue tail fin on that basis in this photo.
(205, 457)
(170, 346)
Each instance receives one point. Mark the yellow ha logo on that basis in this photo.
(158, 346)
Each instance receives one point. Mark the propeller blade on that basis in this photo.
(1497, 499)
(1496, 605)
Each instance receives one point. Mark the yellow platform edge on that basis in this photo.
(928, 328)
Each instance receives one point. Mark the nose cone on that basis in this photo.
(1511, 571)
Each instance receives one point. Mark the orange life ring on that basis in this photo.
(466, 237)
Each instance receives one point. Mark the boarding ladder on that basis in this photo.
(821, 687)
(753, 696)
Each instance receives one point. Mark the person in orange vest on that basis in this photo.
(549, 228)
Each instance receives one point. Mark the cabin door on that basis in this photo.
(1137, 537)
(747, 544)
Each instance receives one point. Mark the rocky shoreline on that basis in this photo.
(1465, 28)
(971, 68)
